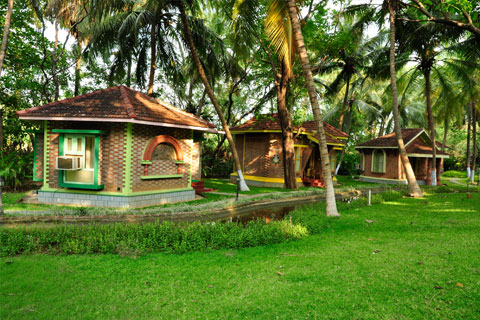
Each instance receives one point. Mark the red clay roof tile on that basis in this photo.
(115, 103)
(390, 141)
(271, 122)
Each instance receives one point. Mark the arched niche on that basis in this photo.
(149, 150)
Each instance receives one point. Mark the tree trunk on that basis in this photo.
(211, 94)
(445, 132)
(307, 73)
(1, 129)
(474, 146)
(54, 63)
(201, 103)
(431, 125)
(129, 71)
(345, 99)
(153, 59)
(469, 128)
(347, 131)
(413, 188)
(6, 31)
(288, 149)
(77, 70)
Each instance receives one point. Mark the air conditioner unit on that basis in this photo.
(69, 163)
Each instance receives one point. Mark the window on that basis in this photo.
(86, 147)
(298, 159)
(378, 161)
(333, 161)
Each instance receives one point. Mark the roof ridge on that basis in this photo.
(167, 105)
(128, 102)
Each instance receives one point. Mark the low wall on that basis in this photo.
(97, 200)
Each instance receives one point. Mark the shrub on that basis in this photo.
(16, 169)
(148, 237)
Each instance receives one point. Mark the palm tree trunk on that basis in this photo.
(153, 59)
(201, 103)
(474, 138)
(129, 70)
(54, 64)
(77, 69)
(445, 131)
(287, 131)
(342, 113)
(347, 131)
(413, 188)
(307, 73)
(469, 125)
(6, 31)
(431, 126)
(211, 94)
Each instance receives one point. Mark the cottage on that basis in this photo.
(259, 146)
(381, 159)
(116, 148)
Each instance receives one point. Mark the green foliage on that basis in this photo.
(455, 174)
(350, 159)
(148, 237)
(218, 168)
(313, 217)
(16, 169)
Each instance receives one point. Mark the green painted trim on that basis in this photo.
(162, 176)
(81, 185)
(35, 156)
(96, 161)
(179, 162)
(45, 153)
(34, 131)
(127, 175)
(61, 173)
(79, 131)
(114, 194)
(191, 161)
(145, 162)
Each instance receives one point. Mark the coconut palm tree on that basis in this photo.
(211, 94)
(376, 15)
(331, 208)
(414, 189)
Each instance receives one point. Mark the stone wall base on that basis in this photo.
(99, 200)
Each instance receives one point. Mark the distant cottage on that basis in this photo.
(381, 159)
(116, 148)
(259, 146)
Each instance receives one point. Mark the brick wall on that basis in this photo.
(392, 169)
(111, 160)
(39, 159)
(197, 160)
(142, 134)
(260, 148)
(110, 156)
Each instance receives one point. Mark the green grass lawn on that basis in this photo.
(419, 258)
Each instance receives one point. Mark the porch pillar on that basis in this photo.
(428, 180)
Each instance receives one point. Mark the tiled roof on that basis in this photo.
(116, 104)
(390, 141)
(271, 122)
